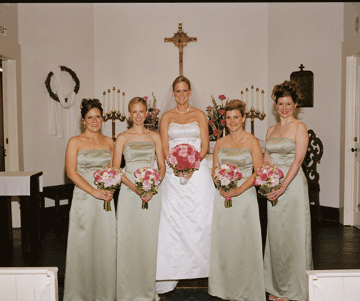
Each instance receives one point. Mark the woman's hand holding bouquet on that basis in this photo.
(184, 159)
(108, 179)
(147, 180)
(226, 178)
(268, 178)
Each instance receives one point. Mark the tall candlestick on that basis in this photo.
(257, 99)
(242, 94)
(104, 94)
(109, 100)
(123, 94)
(113, 98)
(252, 97)
(118, 92)
(262, 102)
(246, 96)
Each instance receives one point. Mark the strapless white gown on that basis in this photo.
(186, 215)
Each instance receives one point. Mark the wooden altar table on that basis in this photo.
(28, 187)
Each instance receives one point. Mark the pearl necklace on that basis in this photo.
(182, 112)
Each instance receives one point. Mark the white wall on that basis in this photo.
(239, 45)
(311, 34)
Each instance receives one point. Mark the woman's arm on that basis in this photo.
(118, 151)
(204, 134)
(302, 141)
(164, 126)
(215, 158)
(267, 160)
(71, 171)
(257, 159)
(160, 155)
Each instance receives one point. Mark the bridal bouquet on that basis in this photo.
(183, 158)
(108, 178)
(147, 180)
(268, 178)
(227, 176)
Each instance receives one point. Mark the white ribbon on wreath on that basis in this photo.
(56, 112)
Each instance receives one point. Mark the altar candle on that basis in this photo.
(262, 102)
(246, 94)
(113, 98)
(119, 100)
(104, 101)
(257, 99)
(109, 100)
(123, 94)
(252, 97)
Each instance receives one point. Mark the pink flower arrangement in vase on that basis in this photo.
(227, 176)
(183, 158)
(107, 178)
(216, 118)
(268, 178)
(147, 180)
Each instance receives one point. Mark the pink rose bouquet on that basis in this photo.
(108, 178)
(183, 158)
(268, 178)
(227, 176)
(147, 180)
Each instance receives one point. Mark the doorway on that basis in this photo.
(2, 142)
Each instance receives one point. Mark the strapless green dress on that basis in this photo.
(90, 272)
(288, 249)
(137, 231)
(236, 260)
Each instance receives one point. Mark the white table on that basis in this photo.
(27, 185)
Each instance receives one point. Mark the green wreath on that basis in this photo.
(74, 77)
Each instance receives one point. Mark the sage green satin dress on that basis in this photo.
(137, 231)
(288, 250)
(236, 259)
(90, 272)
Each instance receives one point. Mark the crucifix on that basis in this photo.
(180, 39)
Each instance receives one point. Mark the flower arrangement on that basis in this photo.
(183, 158)
(152, 117)
(216, 118)
(227, 176)
(147, 180)
(108, 178)
(268, 178)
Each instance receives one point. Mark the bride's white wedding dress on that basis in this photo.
(186, 215)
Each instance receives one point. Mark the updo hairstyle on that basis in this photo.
(132, 102)
(289, 88)
(89, 103)
(180, 79)
(235, 104)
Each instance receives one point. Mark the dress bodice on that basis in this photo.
(240, 157)
(184, 133)
(281, 150)
(90, 160)
(139, 154)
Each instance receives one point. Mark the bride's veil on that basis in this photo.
(169, 101)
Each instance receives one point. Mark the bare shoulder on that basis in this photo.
(154, 136)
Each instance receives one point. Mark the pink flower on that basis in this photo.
(222, 97)
(222, 112)
(145, 98)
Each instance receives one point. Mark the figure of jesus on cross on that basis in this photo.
(180, 39)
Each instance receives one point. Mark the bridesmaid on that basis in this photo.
(288, 250)
(137, 231)
(236, 260)
(90, 272)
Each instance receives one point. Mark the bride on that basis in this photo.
(186, 213)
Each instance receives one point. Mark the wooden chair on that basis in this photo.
(58, 193)
(313, 155)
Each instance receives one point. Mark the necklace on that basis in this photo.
(182, 112)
